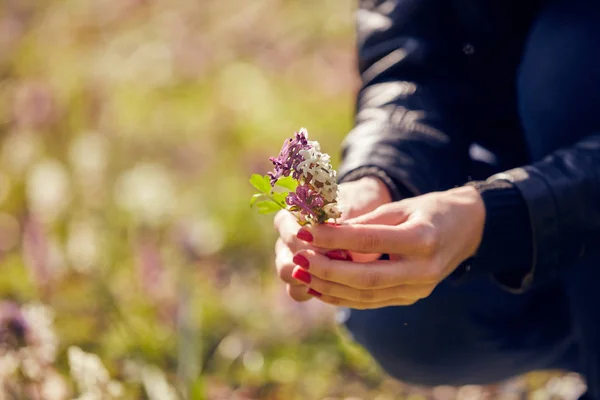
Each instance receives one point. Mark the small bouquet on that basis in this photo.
(302, 182)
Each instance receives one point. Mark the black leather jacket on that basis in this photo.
(438, 76)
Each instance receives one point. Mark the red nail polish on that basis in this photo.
(301, 261)
(340, 255)
(305, 235)
(301, 275)
(313, 292)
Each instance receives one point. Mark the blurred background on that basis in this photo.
(131, 265)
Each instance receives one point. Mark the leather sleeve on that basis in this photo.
(560, 110)
(415, 109)
(562, 193)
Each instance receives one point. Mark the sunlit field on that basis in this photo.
(131, 265)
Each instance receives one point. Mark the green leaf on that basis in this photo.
(279, 198)
(267, 207)
(261, 183)
(255, 197)
(288, 182)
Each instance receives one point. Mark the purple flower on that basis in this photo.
(306, 199)
(14, 329)
(36, 251)
(289, 157)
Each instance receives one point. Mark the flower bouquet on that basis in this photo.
(302, 182)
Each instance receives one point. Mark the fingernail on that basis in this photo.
(313, 292)
(340, 255)
(305, 235)
(301, 275)
(301, 261)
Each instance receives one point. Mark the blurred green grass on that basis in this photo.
(129, 130)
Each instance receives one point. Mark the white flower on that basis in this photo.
(45, 343)
(83, 247)
(332, 210)
(156, 385)
(48, 189)
(147, 192)
(88, 154)
(91, 377)
(317, 167)
(86, 369)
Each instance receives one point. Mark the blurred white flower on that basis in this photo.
(156, 385)
(27, 340)
(231, 347)
(88, 154)
(83, 246)
(54, 387)
(147, 192)
(201, 236)
(8, 364)
(40, 319)
(48, 189)
(19, 150)
(253, 361)
(90, 376)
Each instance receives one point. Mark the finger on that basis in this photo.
(298, 292)
(338, 302)
(387, 214)
(414, 292)
(410, 238)
(287, 226)
(284, 263)
(378, 274)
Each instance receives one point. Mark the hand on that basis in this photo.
(356, 198)
(427, 237)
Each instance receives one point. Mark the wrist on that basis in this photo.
(378, 187)
(470, 201)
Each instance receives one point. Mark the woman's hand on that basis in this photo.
(427, 237)
(356, 198)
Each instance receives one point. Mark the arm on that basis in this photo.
(556, 200)
(416, 107)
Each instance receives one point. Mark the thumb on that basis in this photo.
(387, 214)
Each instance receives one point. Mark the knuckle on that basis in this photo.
(322, 287)
(367, 295)
(325, 273)
(428, 237)
(368, 241)
(371, 278)
(324, 241)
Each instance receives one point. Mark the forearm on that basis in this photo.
(415, 109)
(540, 218)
